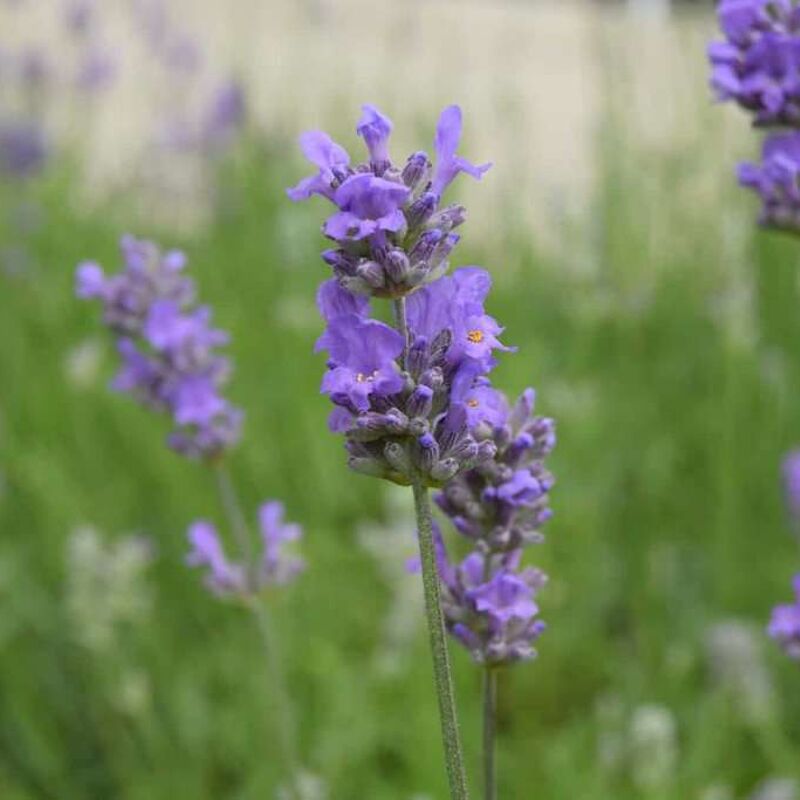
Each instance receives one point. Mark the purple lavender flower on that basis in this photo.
(23, 148)
(777, 181)
(368, 205)
(404, 409)
(275, 567)
(363, 355)
(791, 484)
(223, 577)
(224, 117)
(96, 71)
(330, 158)
(391, 232)
(500, 506)
(167, 345)
(784, 626)
(489, 604)
(448, 164)
(455, 304)
(758, 65)
(79, 16)
(375, 129)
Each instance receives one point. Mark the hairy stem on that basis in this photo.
(400, 318)
(443, 678)
(489, 732)
(283, 719)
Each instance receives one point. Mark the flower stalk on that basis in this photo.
(285, 727)
(489, 733)
(443, 678)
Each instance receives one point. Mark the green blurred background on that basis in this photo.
(659, 327)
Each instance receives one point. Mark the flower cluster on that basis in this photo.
(499, 506)
(391, 231)
(167, 345)
(274, 568)
(777, 181)
(415, 402)
(404, 408)
(758, 64)
(400, 396)
(784, 626)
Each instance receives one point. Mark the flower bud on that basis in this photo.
(420, 402)
(421, 210)
(371, 272)
(396, 265)
(416, 170)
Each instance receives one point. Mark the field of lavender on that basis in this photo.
(658, 324)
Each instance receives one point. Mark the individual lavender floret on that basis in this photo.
(167, 345)
(275, 567)
(405, 409)
(777, 181)
(791, 485)
(391, 232)
(784, 626)
(758, 64)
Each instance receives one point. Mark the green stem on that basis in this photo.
(489, 732)
(400, 318)
(284, 719)
(441, 661)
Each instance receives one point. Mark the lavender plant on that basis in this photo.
(170, 363)
(414, 401)
(758, 67)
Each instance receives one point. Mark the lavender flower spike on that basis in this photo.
(791, 484)
(500, 506)
(777, 181)
(784, 626)
(391, 232)
(228, 579)
(168, 348)
(758, 64)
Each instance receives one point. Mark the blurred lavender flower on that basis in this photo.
(23, 148)
(490, 607)
(777, 181)
(167, 347)
(784, 625)
(391, 232)
(224, 117)
(79, 16)
(96, 70)
(791, 485)
(758, 64)
(275, 567)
